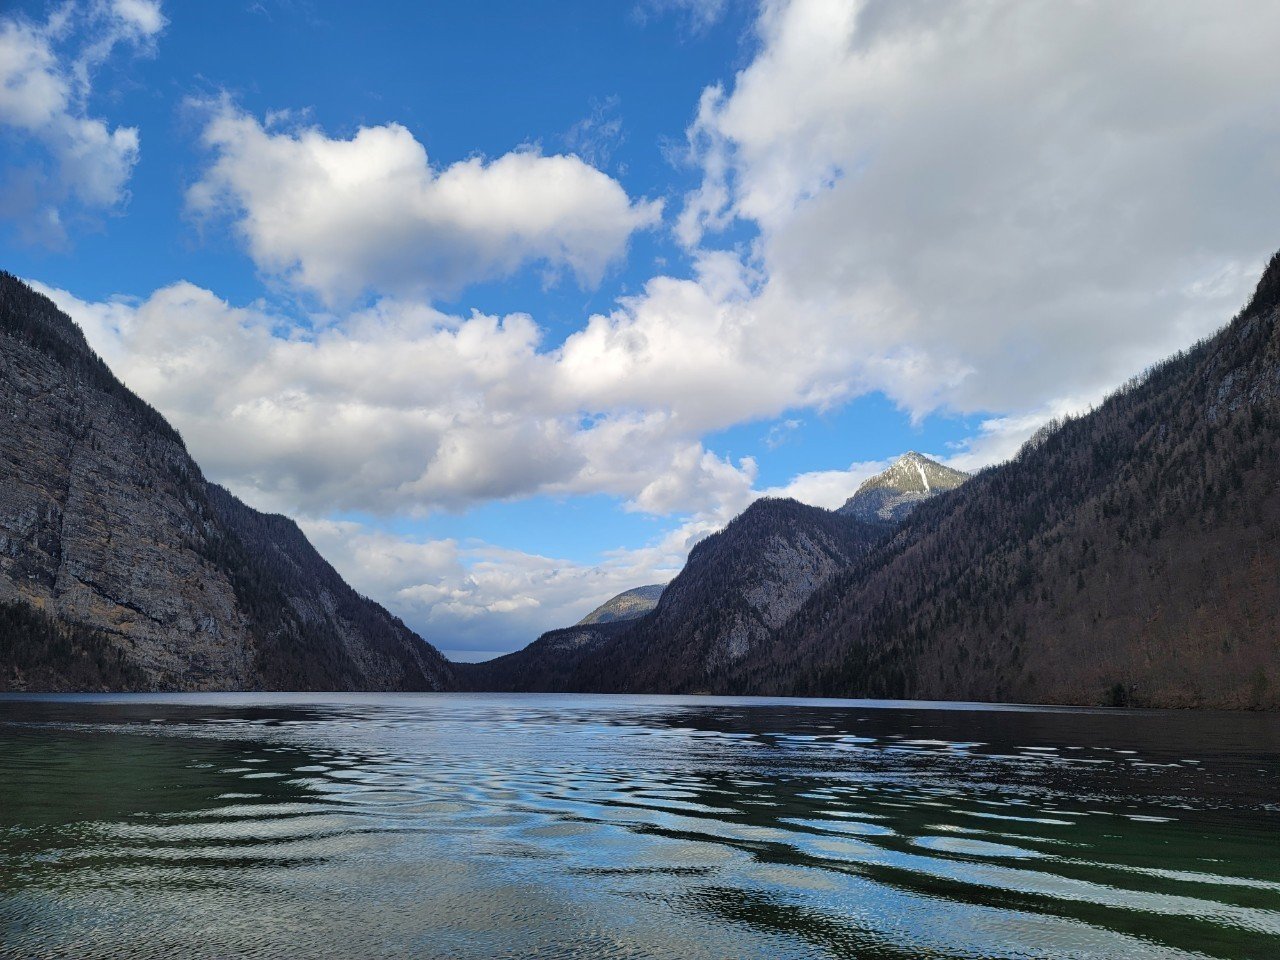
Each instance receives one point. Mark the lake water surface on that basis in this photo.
(459, 825)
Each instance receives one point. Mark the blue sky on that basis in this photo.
(509, 304)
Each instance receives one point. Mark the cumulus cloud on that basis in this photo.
(401, 409)
(63, 161)
(340, 217)
(398, 409)
(481, 600)
(1009, 307)
(991, 205)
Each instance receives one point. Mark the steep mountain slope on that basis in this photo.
(1128, 556)
(328, 632)
(121, 563)
(629, 605)
(894, 493)
(738, 586)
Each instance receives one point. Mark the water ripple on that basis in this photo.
(478, 826)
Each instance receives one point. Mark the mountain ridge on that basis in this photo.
(792, 552)
(112, 543)
(1130, 556)
(738, 585)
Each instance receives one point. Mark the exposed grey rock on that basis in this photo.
(894, 493)
(107, 524)
(737, 588)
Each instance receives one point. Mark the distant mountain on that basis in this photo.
(546, 665)
(121, 567)
(737, 588)
(550, 661)
(629, 605)
(1129, 556)
(893, 494)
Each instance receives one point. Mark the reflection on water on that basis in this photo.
(550, 826)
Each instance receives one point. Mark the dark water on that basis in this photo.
(542, 826)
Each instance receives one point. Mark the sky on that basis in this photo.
(510, 304)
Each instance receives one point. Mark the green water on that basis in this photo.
(329, 826)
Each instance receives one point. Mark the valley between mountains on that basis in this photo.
(1130, 556)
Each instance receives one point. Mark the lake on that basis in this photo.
(474, 825)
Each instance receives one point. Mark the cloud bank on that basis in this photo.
(996, 205)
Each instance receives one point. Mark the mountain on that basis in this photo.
(628, 605)
(893, 494)
(121, 567)
(738, 586)
(1128, 556)
(546, 665)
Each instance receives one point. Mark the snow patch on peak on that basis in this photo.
(924, 477)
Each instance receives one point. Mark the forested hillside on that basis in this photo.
(1129, 556)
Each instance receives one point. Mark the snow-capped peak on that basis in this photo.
(893, 493)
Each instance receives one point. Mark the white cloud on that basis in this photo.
(400, 408)
(598, 135)
(478, 599)
(990, 205)
(828, 489)
(1000, 438)
(339, 217)
(69, 162)
(142, 18)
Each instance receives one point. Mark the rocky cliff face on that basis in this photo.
(738, 587)
(109, 533)
(908, 482)
(315, 630)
